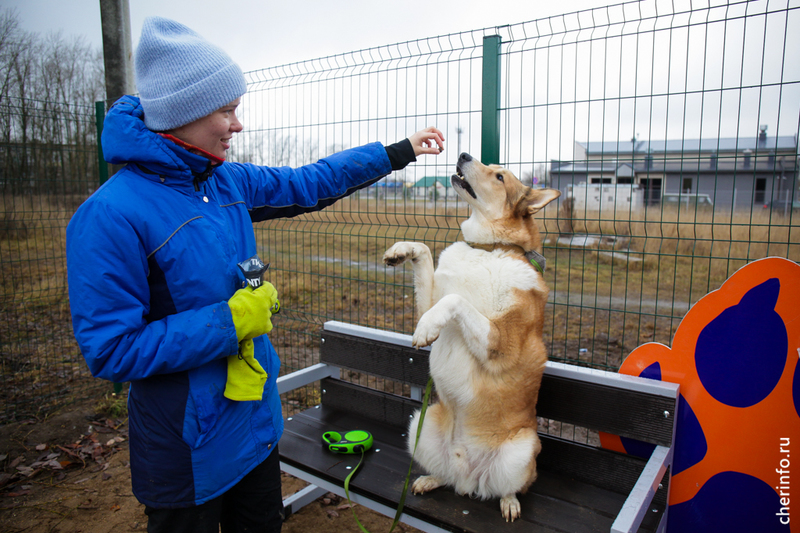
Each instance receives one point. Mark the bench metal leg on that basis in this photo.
(630, 516)
(417, 393)
(306, 376)
(301, 498)
(327, 486)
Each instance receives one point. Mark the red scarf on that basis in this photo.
(216, 161)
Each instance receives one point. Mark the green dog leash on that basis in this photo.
(428, 388)
(351, 442)
(360, 441)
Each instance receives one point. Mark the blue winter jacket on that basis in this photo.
(151, 259)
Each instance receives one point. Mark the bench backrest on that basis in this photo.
(631, 407)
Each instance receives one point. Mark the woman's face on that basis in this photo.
(213, 132)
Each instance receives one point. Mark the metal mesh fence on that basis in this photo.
(670, 129)
(48, 166)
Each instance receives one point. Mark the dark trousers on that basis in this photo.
(253, 505)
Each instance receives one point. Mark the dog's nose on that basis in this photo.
(465, 157)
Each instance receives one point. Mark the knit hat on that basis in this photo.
(182, 77)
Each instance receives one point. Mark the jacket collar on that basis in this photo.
(126, 139)
(216, 161)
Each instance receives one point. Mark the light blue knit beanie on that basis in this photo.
(180, 76)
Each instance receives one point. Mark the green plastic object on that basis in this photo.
(356, 441)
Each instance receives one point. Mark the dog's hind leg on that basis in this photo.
(430, 450)
(422, 262)
(515, 471)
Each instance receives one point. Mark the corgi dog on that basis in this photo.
(482, 312)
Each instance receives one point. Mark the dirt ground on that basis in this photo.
(70, 473)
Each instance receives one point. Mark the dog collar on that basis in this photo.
(537, 260)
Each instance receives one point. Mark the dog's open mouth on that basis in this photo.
(457, 181)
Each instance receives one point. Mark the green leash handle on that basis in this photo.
(357, 441)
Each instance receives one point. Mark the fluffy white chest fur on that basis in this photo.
(489, 281)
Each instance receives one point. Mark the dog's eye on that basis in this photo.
(500, 177)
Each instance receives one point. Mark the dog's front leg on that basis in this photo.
(422, 263)
(475, 328)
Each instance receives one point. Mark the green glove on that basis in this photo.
(252, 309)
(246, 376)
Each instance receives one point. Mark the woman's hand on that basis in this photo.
(427, 141)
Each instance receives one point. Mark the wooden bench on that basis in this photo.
(580, 487)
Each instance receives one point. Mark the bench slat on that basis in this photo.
(616, 471)
(390, 361)
(627, 413)
(368, 403)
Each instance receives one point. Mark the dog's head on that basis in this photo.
(502, 207)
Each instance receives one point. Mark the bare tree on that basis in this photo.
(542, 174)
(9, 34)
(48, 86)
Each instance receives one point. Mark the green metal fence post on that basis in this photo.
(99, 116)
(490, 113)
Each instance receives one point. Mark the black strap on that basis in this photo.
(201, 177)
(401, 154)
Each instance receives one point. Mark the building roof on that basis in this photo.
(430, 181)
(691, 165)
(388, 184)
(760, 144)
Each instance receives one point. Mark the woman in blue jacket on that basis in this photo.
(157, 298)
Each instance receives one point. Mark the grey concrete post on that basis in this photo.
(117, 51)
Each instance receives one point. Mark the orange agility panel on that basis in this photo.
(735, 356)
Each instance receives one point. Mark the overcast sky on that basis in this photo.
(265, 33)
(260, 34)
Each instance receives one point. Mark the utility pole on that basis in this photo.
(117, 49)
(117, 52)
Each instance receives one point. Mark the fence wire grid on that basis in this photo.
(670, 128)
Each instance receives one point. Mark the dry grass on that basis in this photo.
(685, 255)
(40, 364)
(327, 265)
(740, 235)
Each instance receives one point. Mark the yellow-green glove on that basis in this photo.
(252, 309)
(246, 376)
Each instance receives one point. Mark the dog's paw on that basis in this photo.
(430, 324)
(400, 252)
(510, 508)
(427, 331)
(425, 484)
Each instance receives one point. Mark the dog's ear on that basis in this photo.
(534, 200)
